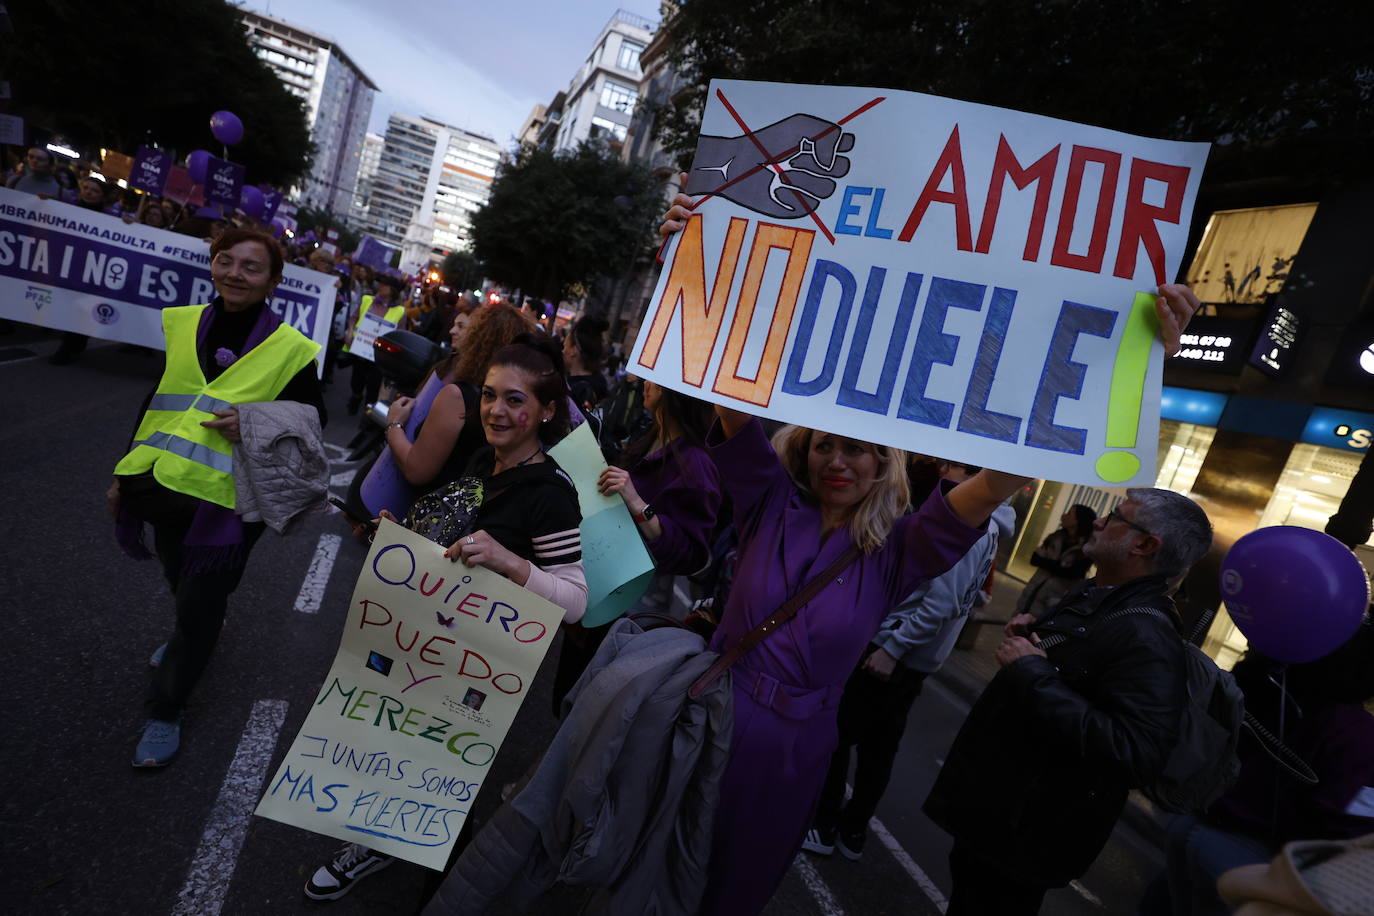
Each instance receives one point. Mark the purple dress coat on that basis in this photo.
(682, 484)
(787, 690)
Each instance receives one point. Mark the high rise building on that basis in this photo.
(430, 178)
(338, 97)
(601, 98)
(367, 170)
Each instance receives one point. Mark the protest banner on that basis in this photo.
(181, 188)
(949, 278)
(372, 253)
(151, 169)
(71, 269)
(614, 559)
(271, 200)
(11, 130)
(369, 328)
(433, 665)
(223, 182)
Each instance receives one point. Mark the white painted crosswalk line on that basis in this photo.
(212, 867)
(917, 873)
(317, 576)
(820, 891)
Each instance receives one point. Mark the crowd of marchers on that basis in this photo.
(827, 575)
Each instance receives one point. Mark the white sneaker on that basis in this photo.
(352, 863)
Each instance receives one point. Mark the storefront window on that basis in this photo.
(1245, 255)
(1182, 449)
(1308, 493)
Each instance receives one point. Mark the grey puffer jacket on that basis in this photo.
(280, 467)
(624, 799)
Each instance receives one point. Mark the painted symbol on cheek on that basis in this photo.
(523, 418)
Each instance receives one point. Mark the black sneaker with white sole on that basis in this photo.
(353, 863)
(851, 845)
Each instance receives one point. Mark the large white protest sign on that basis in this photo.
(950, 278)
(434, 663)
(72, 269)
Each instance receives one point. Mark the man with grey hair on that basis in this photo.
(1039, 773)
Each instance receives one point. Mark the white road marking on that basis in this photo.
(317, 576)
(817, 886)
(917, 874)
(342, 479)
(903, 858)
(212, 866)
(336, 450)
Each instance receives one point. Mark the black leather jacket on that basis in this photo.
(1040, 770)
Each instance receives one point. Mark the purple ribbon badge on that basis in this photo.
(224, 357)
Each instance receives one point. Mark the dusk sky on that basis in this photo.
(477, 65)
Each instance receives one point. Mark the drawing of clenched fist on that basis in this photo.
(807, 149)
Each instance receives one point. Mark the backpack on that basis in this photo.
(1203, 762)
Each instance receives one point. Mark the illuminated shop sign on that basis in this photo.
(1352, 365)
(1344, 429)
(1277, 342)
(1188, 406)
(1216, 344)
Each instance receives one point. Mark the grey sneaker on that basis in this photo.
(352, 863)
(155, 659)
(820, 840)
(159, 743)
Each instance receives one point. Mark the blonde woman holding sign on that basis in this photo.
(814, 504)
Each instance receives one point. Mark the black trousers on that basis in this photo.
(200, 600)
(981, 889)
(365, 383)
(872, 719)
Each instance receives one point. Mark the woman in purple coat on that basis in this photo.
(795, 511)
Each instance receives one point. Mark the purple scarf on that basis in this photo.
(215, 541)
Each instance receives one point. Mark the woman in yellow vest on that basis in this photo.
(366, 380)
(178, 474)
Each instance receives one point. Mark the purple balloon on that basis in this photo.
(1296, 594)
(251, 202)
(196, 165)
(226, 127)
(278, 227)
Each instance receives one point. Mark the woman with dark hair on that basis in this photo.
(672, 489)
(525, 517)
(514, 511)
(1327, 725)
(431, 437)
(584, 351)
(1059, 562)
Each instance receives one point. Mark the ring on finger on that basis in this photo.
(471, 540)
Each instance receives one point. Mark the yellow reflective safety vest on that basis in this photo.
(183, 455)
(392, 317)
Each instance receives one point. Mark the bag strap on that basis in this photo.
(786, 612)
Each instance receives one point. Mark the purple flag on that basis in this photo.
(151, 168)
(271, 199)
(223, 182)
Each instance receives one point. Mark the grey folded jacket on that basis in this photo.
(280, 467)
(624, 799)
